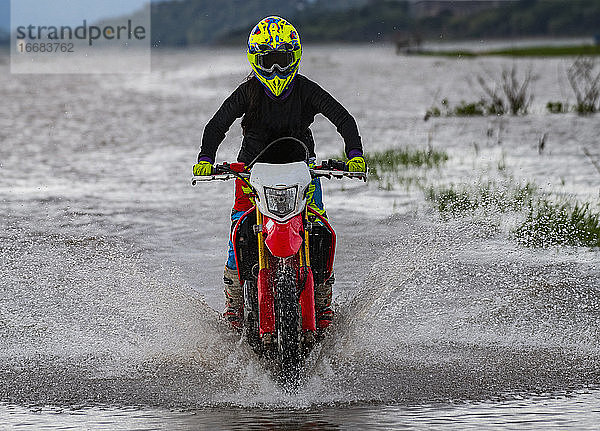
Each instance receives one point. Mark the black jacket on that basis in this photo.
(266, 119)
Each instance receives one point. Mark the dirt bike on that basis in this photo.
(283, 249)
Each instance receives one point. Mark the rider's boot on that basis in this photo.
(234, 300)
(323, 304)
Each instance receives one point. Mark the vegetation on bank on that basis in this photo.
(200, 22)
(456, 200)
(550, 223)
(463, 109)
(390, 167)
(543, 220)
(584, 77)
(507, 94)
(547, 223)
(510, 93)
(557, 107)
(522, 18)
(392, 159)
(532, 51)
(193, 22)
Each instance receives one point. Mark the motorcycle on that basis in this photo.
(283, 249)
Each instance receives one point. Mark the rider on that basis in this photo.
(275, 101)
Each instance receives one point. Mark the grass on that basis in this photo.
(463, 109)
(546, 224)
(533, 51)
(456, 200)
(391, 160)
(563, 108)
(557, 107)
(388, 167)
(513, 97)
(549, 224)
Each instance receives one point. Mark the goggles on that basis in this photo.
(270, 60)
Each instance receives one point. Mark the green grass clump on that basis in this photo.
(585, 108)
(456, 200)
(546, 224)
(390, 162)
(549, 224)
(472, 109)
(562, 108)
(557, 107)
(466, 109)
(401, 165)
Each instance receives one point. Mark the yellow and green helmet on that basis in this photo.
(274, 52)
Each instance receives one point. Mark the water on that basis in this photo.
(552, 413)
(111, 261)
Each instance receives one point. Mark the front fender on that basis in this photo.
(283, 239)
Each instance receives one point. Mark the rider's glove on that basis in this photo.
(357, 164)
(203, 168)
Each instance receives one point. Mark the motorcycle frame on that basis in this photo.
(305, 277)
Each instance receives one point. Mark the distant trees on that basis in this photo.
(193, 22)
(531, 18)
(198, 22)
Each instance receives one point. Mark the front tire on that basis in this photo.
(251, 316)
(287, 311)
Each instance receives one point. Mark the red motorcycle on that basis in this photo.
(283, 248)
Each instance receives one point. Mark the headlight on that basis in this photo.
(281, 202)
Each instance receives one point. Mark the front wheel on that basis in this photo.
(251, 325)
(287, 311)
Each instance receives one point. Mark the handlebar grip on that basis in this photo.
(228, 168)
(335, 164)
(219, 169)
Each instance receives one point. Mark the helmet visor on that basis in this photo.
(269, 60)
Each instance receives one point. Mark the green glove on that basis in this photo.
(357, 164)
(203, 168)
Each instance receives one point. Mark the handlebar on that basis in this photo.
(332, 164)
(328, 169)
(328, 173)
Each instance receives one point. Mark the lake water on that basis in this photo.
(111, 262)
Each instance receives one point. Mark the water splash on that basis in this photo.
(442, 315)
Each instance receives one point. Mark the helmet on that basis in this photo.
(274, 52)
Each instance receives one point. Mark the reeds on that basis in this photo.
(547, 223)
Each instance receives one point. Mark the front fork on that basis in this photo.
(307, 295)
(266, 298)
(266, 301)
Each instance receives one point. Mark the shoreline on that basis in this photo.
(525, 51)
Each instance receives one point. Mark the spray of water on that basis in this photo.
(441, 314)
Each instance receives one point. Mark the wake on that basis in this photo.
(442, 314)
